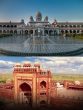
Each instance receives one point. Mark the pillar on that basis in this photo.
(34, 92)
(43, 32)
(33, 32)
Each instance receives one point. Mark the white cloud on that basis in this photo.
(55, 64)
(6, 66)
(63, 64)
(6, 62)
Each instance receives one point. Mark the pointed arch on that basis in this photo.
(25, 87)
(43, 84)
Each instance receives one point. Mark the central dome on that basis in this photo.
(38, 16)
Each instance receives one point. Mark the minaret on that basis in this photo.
(31, 19)
(46, 19)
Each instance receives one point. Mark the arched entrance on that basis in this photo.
(46, 32)
(62, 32)
(51, 32)
(38, 32)
(26, 32)
(31, 32)
(55, 32)
(25, 94)
(43, 103)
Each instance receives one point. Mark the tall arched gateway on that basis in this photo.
(33, 86)
(25, 93)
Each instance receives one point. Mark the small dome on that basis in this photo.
(27, 65)
(31, 19)
(17, 65)
(36, 65)
(38, 16)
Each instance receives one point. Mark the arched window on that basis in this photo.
(4, 31)
(70, 31)
(74, 25)
(43, 84)
(11, 26)
(78, 25)
(4, 26)
(77, 31)
(0, 25)
(15, 26)
(62, 26)
(71, 26)
(74, 31)
(62, 31)
(66, 25)
(11, 31)
(7, 31)
(8, 26)
(15, 32)
(66, 31)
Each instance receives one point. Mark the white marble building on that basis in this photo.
(41, 27)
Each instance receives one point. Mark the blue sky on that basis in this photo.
(72, 65)
(62, 10)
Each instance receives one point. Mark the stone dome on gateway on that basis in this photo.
(38, 16)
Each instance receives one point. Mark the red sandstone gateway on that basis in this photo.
(33, 85)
